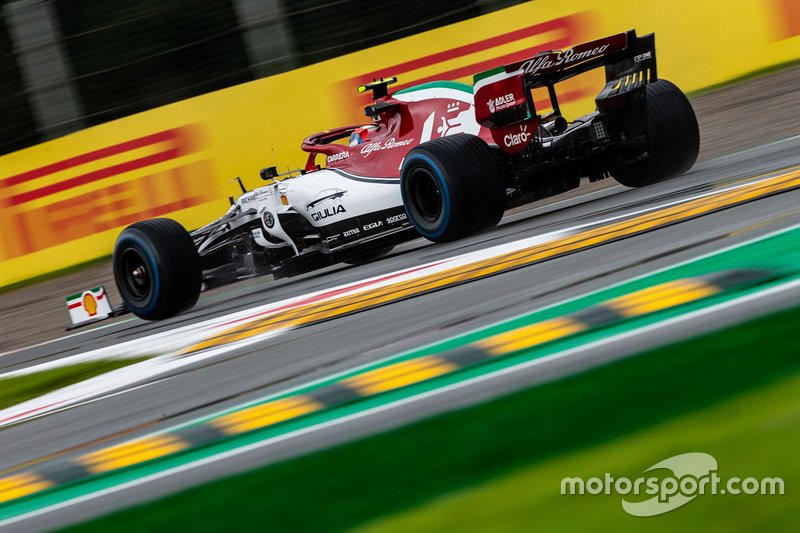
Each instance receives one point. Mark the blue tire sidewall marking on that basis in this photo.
(145, 248)
(445, 196)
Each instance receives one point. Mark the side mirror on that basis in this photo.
(268, 173)
(241, 185)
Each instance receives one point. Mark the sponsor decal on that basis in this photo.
(641, 57)
(373, 225)
(351, 232)
(396, 218)
(497, 96)
(388, 144)
(253, 196)
(325, 195)
(269, 219)
(334, 196)
(516, 139)
(316, 216)
(500, 103)
(338, 157)
(88, 305)
(559, 59)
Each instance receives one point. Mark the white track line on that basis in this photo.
(753, 149)
(84, 332)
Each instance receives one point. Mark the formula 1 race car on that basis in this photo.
(442, 160)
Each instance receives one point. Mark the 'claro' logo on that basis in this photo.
(516, 139)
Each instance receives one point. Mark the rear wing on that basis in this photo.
(502, 95)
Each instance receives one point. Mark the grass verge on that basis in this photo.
(755, 434)
(366, 480)
(21, 388)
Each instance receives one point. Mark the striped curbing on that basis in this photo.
(374, 381)
(131, 453)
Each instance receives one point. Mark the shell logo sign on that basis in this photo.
(88, 305)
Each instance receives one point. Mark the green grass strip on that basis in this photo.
(755, 434)
(359, 482)
(18, 389)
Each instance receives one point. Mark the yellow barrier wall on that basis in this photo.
(64, 202)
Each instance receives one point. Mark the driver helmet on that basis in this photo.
(359, 135)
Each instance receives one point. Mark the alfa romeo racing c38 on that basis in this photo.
(442, 160)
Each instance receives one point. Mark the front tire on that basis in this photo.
(157, 268)
(673, 137)
(452, 187)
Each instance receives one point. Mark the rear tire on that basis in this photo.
(673, 137)
(452, 187)
(157, 268)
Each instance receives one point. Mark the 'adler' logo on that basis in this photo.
(500, 103)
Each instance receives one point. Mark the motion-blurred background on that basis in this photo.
(188, 95)
(71, 64)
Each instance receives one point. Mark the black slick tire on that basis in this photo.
(157, 268)
(452, 187)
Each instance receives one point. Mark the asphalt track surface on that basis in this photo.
(318, 350)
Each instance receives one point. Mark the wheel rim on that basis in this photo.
(425, 195)
(135, 274)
